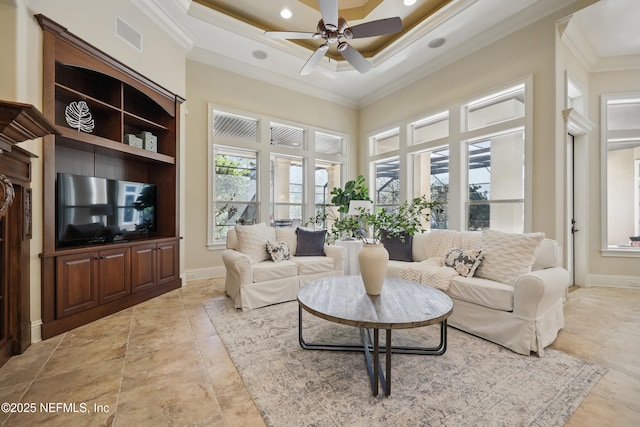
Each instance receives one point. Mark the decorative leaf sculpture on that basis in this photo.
(79, 117)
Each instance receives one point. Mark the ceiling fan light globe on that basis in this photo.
(347, 34)
(342, 46)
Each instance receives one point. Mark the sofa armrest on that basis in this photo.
(239, 268)
(538, 291)
(335, 252)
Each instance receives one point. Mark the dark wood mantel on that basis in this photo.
(18, 122)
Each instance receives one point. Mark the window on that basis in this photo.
(431, 176)
(496, 108)
(386, 141)
(287, 136)
(329, 144)
(621, 154)
(431, 128)
(387, 189)
(327, 177)
(496, 183)
(286, 190)
(235, 190)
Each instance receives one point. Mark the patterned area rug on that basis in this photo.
(475, 383)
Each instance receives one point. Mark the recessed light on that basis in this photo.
(286, 13)
(259, 54)
(409, 2)
(436, 42)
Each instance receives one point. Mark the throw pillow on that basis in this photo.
(463, 261)
(310, 243)
(252, 240)
(399, 247)
(507, 256)
(279, 251)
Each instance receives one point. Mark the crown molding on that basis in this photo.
(158, 14)
(222, 62)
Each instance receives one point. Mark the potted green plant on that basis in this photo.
(355, 189)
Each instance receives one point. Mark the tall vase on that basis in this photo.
(373, 259)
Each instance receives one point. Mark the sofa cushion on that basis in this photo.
(437, 243)
(288, 236)
(548, 255)
(399, 247)
(463, 261)
(310, 243)
(252, 241)
(313, 264)
(507, 256)
(268, 270)
(483, 292)
(279, 251)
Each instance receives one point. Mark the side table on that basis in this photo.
(350, 251)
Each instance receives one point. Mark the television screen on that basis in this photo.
(93, 210)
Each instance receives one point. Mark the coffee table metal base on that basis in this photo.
(371, 346)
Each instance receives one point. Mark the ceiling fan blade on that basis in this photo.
(354, 57)
(314, 59)
(289, 35)
(375, 28)
(329, 11)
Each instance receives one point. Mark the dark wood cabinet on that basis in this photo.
(154, 264)
(82, 284)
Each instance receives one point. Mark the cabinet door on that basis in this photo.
(167, 259)
(115, 274)
(143, 266)
(76, 283)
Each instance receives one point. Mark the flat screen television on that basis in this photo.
(91, 210)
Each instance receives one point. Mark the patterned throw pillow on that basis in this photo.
(463, 261)
(279, 251)
(507, 256)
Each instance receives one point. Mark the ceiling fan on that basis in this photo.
(334, 29)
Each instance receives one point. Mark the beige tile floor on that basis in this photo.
(161, 363)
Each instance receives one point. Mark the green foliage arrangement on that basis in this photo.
(410, 218)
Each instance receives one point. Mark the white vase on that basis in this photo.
(373, 259)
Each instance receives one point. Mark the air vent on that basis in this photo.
(129, 34)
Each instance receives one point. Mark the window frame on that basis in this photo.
(264, 150)
(456, 140)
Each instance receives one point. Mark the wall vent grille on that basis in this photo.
(129, 34)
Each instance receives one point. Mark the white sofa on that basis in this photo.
(252, 284)
(524, 315)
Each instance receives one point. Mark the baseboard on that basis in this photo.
(205, 273)
(36, 331)
(614, 281)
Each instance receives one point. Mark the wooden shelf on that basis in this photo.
(75, 139)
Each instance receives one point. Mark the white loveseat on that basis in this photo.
(523, 315)
(254, 281)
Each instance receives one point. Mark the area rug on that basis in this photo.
(475, 383)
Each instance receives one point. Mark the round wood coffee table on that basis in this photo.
(402, 304)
